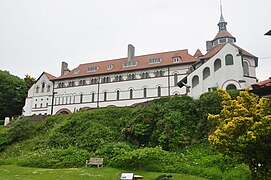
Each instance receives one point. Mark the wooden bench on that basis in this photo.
(95, 161)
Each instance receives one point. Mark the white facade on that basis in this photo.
(131, 80)
(209, 74)
(39, 97)
(70, 94)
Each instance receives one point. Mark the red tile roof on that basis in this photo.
(223, 33)
(244, 52)
(266, 82)
(50, 77)
(218, 47)
(213, 51)
(198, 53)
(143, 63)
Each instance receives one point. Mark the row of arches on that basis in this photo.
(43, 88)
(107, 79)
(93, 96)
(217, 65)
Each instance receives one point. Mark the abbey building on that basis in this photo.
(135, 79)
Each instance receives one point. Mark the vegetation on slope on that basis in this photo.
(165, 135)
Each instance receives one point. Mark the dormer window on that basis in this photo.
(154, 60)
(109, 66)
(93, 69)
(76, 71)
(176, 59)
(129, 63)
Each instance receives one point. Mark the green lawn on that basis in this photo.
(11, 172)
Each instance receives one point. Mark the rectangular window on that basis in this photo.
(129, 63)
(154, 60)
(93, 69)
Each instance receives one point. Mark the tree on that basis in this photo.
(29, 81)
(13, 92)
(243, 131)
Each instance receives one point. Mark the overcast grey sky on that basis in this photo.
(36, 35)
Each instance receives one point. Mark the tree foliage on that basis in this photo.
(243, 131)
(13, 92)
(169, 122)
(29, 81)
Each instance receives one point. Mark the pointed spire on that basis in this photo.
(222, 23)
(221, 13)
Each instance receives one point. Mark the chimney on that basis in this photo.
(208, 45)
(64, 66)
(131, 53)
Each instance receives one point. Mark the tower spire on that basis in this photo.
(221, 7)
(222, 23)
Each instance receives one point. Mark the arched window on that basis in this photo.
(93, 81)
(81, 98)
(42, 87)
(231, 87)
(206, 72)
(61, 85)
(66, 101)
(131, 93)
(217, 64)
(105, 96)
(195, 81)
(159, 73)
(229, 59)
(81, 82)
(159, 91)
(118, 78)
(69, 99)
(37, 89)
(145, 75)
(246, 69)
(92, 97)
(145, 92)
(175, 79)
(48, 88)
(131, 77)
(63, 98)
(118, 95)
(74, 99)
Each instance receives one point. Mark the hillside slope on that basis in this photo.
(165, 135)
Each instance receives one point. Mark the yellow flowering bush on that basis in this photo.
(243, 131)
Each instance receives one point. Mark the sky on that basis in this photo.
(37, 35)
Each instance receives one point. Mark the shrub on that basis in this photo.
(56, 158)
(111, 150)
(22, 129)
(148, 159)
(2, 122)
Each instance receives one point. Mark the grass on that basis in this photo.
(11, 172)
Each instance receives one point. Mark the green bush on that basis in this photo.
(56, 158)
(148, 159)
(111, 150)
(2, 122)
(20, 130)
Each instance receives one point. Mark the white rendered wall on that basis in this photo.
(69, 97)
(227, 74)
(38, 102)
